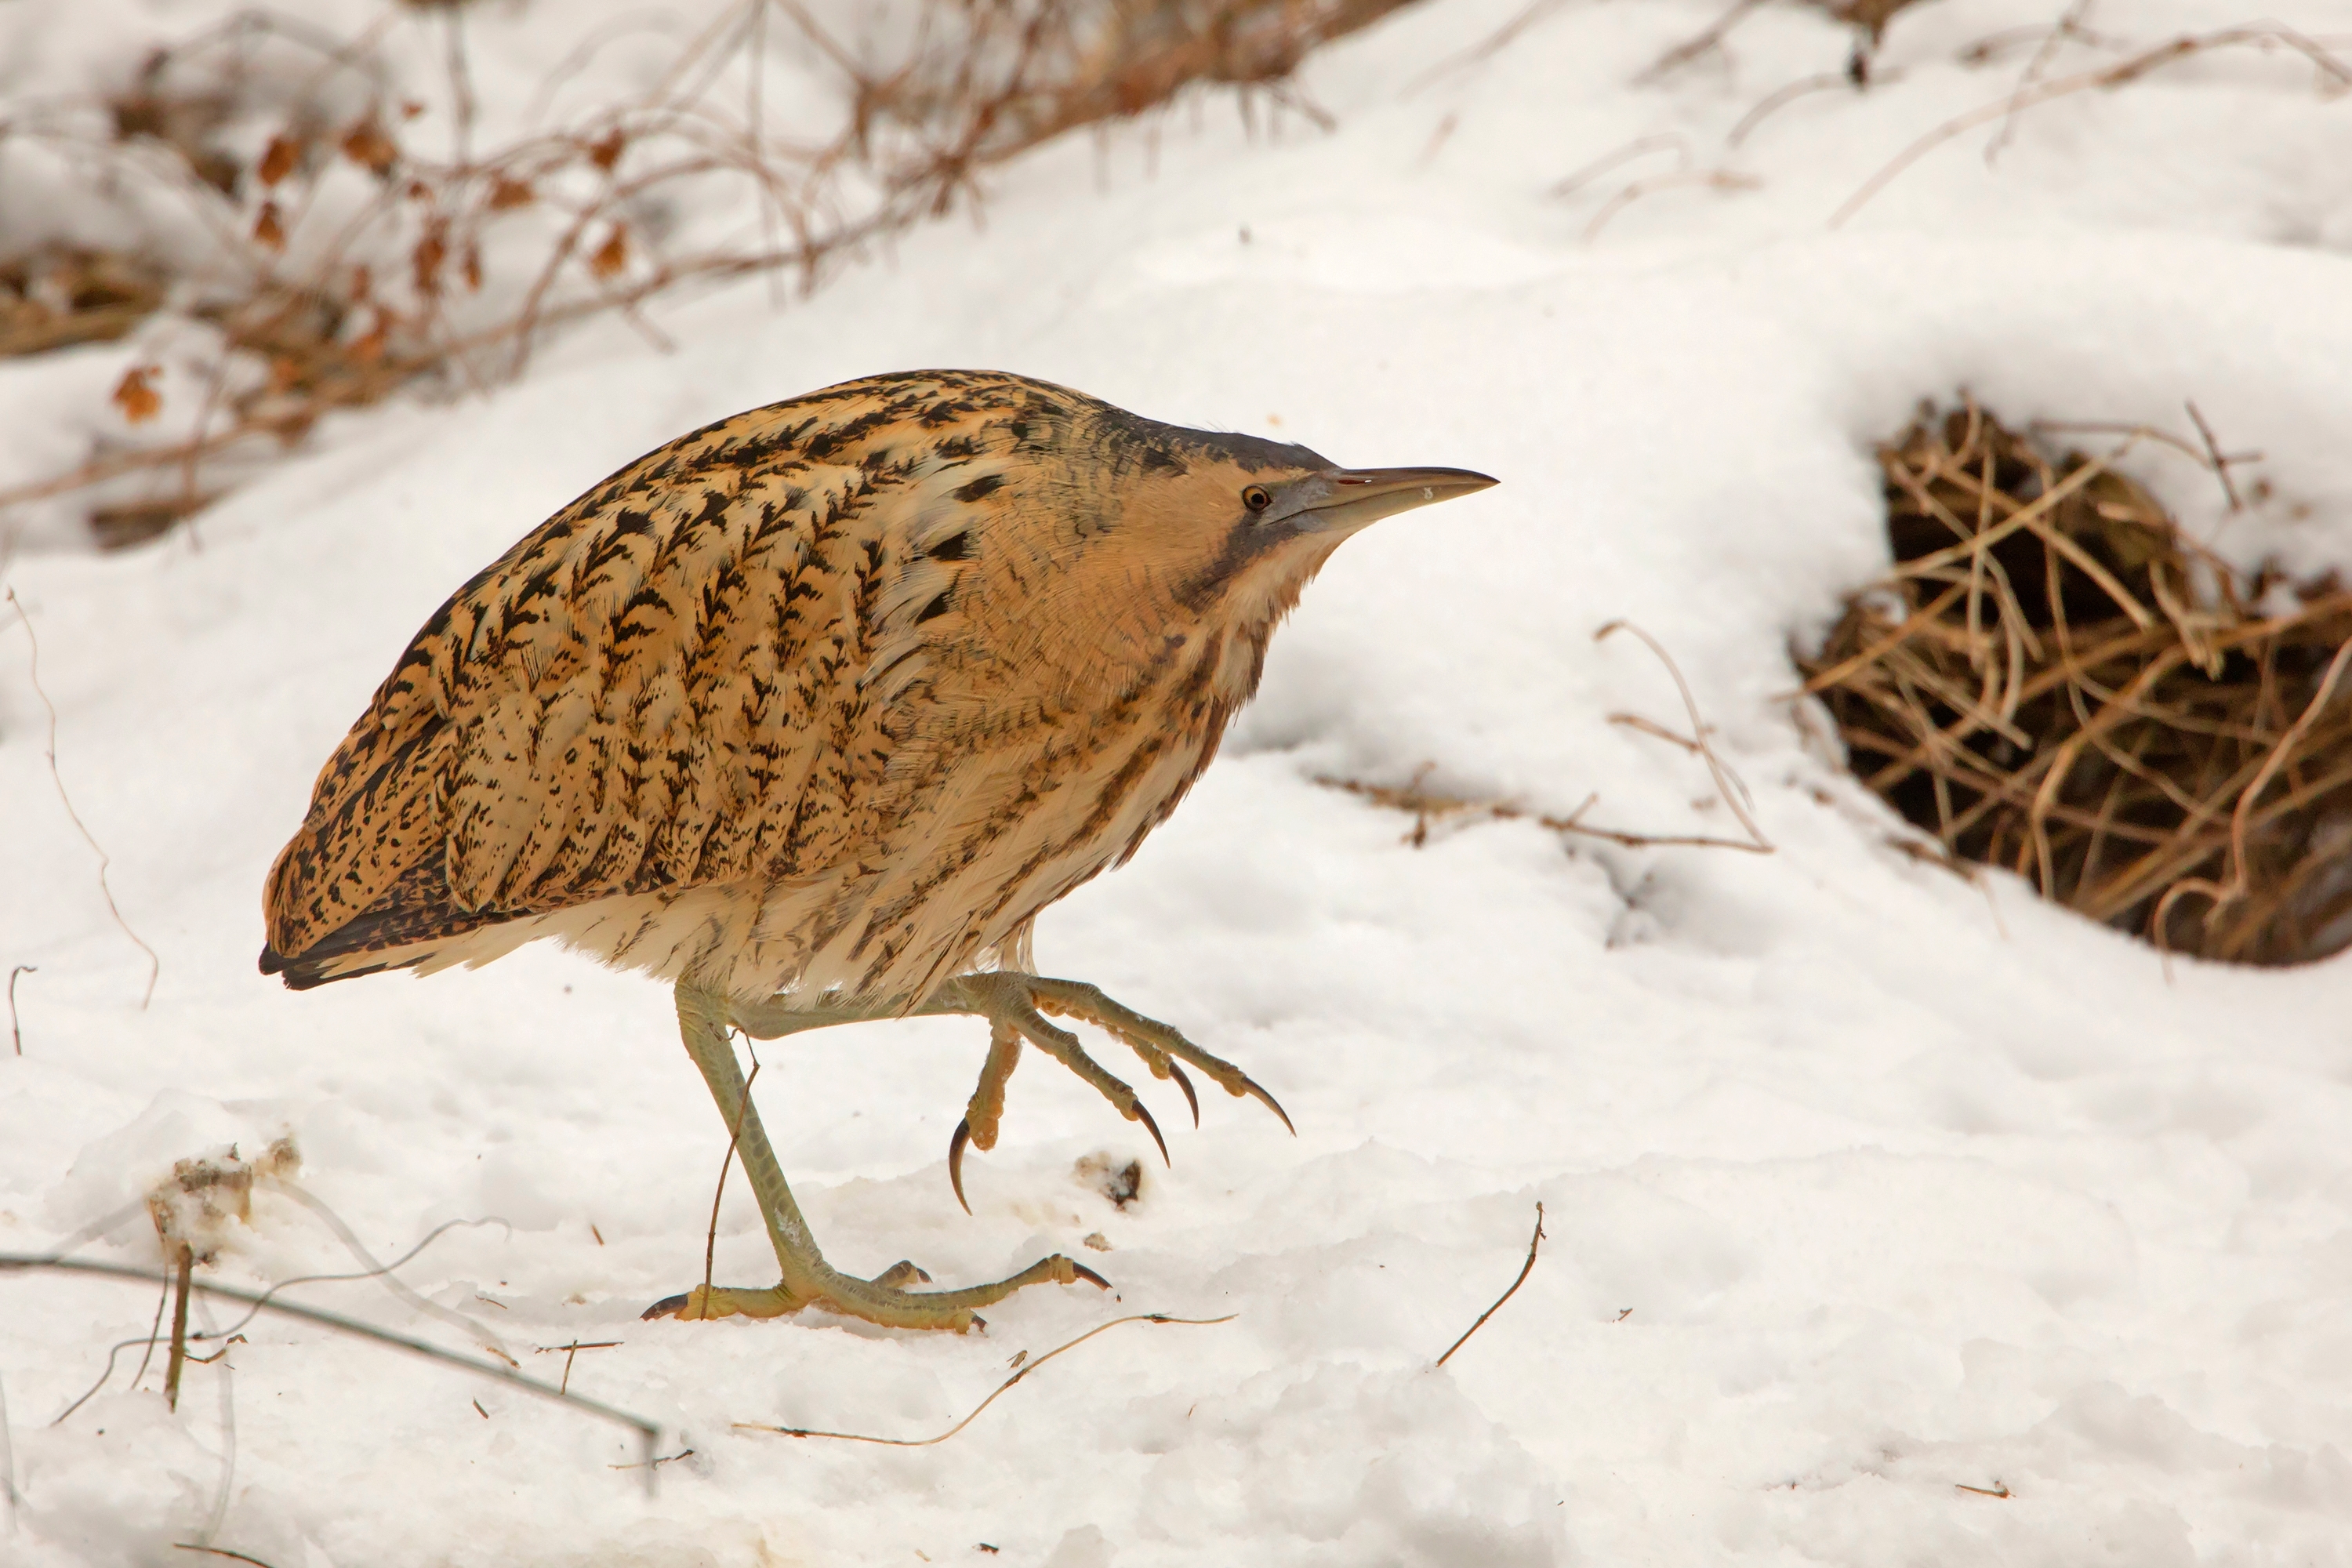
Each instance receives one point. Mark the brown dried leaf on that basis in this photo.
(363, 283)
(283, 154)
(606, 151)
(472, 264)
(369, 350)
(268, 231)
(432, 250)
(136, 396)
(366, 145)
(507, 192)
(613, 255)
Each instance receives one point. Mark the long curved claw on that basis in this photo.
(1143, 1114)
(955, 1160)
(1256, 1091)
(1157, 1043)
(1083, 1272)
(1190, 1097)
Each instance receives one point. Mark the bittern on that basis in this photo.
(809, 713)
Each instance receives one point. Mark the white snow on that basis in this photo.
(1864, 1187)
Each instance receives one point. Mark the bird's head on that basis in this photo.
(1232, 527)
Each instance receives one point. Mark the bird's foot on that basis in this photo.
(1014, 1005)
(706, 1302)
(808, 1280)
(880, 1301)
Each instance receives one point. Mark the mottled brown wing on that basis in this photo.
(648, 690)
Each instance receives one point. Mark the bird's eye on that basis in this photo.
(1257, 498)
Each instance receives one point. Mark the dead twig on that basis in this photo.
(655, 1464)
(1710, 37)
(1654, 729)
(233, 1331)
(179, 1354)
(1526, 1269)
(1491, 46)
(1772, 102)
(1726, 783)
(1426, 806)
(385, 1273)
(2069, 25)
(2121, 73)
(7, 1457)
(1001, 1388)
(219, 1551)
(33, 673)
(573, 1349)
(1617, 158)
(20, 1263)
(1724, 179)
(16, 1033)
(2219, 464)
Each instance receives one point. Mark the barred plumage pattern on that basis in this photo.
(831, 697)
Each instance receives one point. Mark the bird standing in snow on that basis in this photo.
(810, 712)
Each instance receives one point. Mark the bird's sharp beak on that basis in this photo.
(1345, 499)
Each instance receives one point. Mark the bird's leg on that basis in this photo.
(776, 1017)
(703, 1018)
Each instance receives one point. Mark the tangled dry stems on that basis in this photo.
(2055, 680)
(318, 301)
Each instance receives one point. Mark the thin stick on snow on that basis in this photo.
(1726, 783)
(1526, 1269)
(1026, 1369)
(33, 673)
(2069, 25)
(1426, 805)
(154, 1336)
(376, 1270)
(2120, 74)
(16, 1033)
(1535, 12)
(7, 1458)
(647, 1431)
(184, 1270)
(1724, 180)
(573, 1349)
(2213, 456)
(1690, 49)
(1772, 102)
(1617, 158)
(384, 1271)
(219, 1551)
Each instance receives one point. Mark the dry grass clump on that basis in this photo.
(2055, 681)
(355, 232)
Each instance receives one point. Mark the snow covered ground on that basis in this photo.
(1890, 1218)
